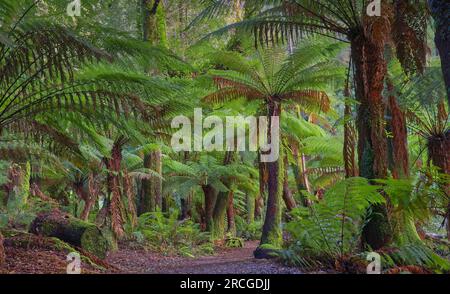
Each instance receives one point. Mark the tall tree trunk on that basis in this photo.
(129, 193)
(151, 189)
(400, 159)
(440, 9)
(231, 229)
(220, 207)
(438, 152)
(370, 71)
(271, 232)
(289, 201)
(154, 22)
(113, 218)
(210, 201)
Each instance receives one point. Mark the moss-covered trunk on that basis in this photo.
(271, 232)
(370, 71)
(220, 209)
(18, 188)
(74, 231)
(154, 22)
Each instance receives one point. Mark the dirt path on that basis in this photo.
(225, 261)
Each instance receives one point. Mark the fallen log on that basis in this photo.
(76, 232)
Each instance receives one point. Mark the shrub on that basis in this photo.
(171, 236)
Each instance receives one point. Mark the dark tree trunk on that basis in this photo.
(440, 9)
(210, 201)
(439, 155)
(271, 232)
(370, 71)
(186, 209)
(287, 194)
(259, 205)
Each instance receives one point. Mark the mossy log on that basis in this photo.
(74, 231)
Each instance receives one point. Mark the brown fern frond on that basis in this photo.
(227, 94)
(309, 98)
(409, 33)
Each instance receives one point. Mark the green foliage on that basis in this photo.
(248, 231)
(332, 227)
(171, 236)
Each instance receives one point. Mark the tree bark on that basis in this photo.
(210, 201)
(151, 191)
(271, 232)
(438, 152)
(220, 209)
(400, 158)
(370, 71)
(154, 22)
(440, 10)
(71, 230)
(111, 215)
(351, 169)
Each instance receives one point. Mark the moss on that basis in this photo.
(94, 242)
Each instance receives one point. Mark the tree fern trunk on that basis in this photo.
(370, 71)
(399, 141)
(440, 9)
(271, 233)
(210, 201)
(438, 152)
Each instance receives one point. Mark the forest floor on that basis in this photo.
(27, 253)
(224, 261)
